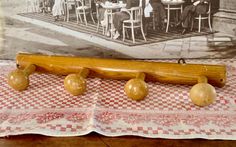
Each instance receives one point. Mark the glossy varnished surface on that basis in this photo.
(19, 79)
(126, 69)
(96, 140)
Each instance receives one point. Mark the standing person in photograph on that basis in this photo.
(147, 9)
(119, 17)
(159, 13)
(196, 7)
(58, 9)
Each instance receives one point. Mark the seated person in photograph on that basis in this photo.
(148, 7)
(196, 7)
(46, 5)
(119, 17)
(159, 13)
(57, 9)
(100, 11)
(50, 4)
(41, 5)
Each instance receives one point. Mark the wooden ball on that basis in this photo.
(75, 84)
(136, 89)
(203, 94)
(18, 80)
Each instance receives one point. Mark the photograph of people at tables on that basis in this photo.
(147, 29)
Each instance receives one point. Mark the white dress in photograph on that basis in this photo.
(147, 8)
(57, 9)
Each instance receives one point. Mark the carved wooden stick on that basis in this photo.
(127, 69)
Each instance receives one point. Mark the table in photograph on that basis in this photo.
(110, 8)
(167, 112)
(172, 5)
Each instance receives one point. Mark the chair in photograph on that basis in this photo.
(202, 17)
(68, 6)
(134, 22)
(83, 7)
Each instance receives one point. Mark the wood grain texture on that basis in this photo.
(126, 69)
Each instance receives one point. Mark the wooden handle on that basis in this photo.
(127, 69)
(202, 79)
(140, 76)
(84, 72)
(29, 69)
(19, 79)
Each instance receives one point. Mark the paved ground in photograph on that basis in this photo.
(24, 37)
(19, 36)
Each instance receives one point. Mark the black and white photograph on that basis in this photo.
(137, 29)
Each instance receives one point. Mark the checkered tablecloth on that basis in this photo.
(167, 112)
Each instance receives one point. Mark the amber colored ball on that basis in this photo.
(203, 94)
(75, 84)
(136, 89)
(18, 80)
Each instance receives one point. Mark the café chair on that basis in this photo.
(135, 21)
(68, 6)
(83, 7)
(201, 17)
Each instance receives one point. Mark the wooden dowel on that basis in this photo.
(29, 69)
(127, 69)
(84, 72)
(202, 79)
(141, 76)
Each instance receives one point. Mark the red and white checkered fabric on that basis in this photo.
(167, 112)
